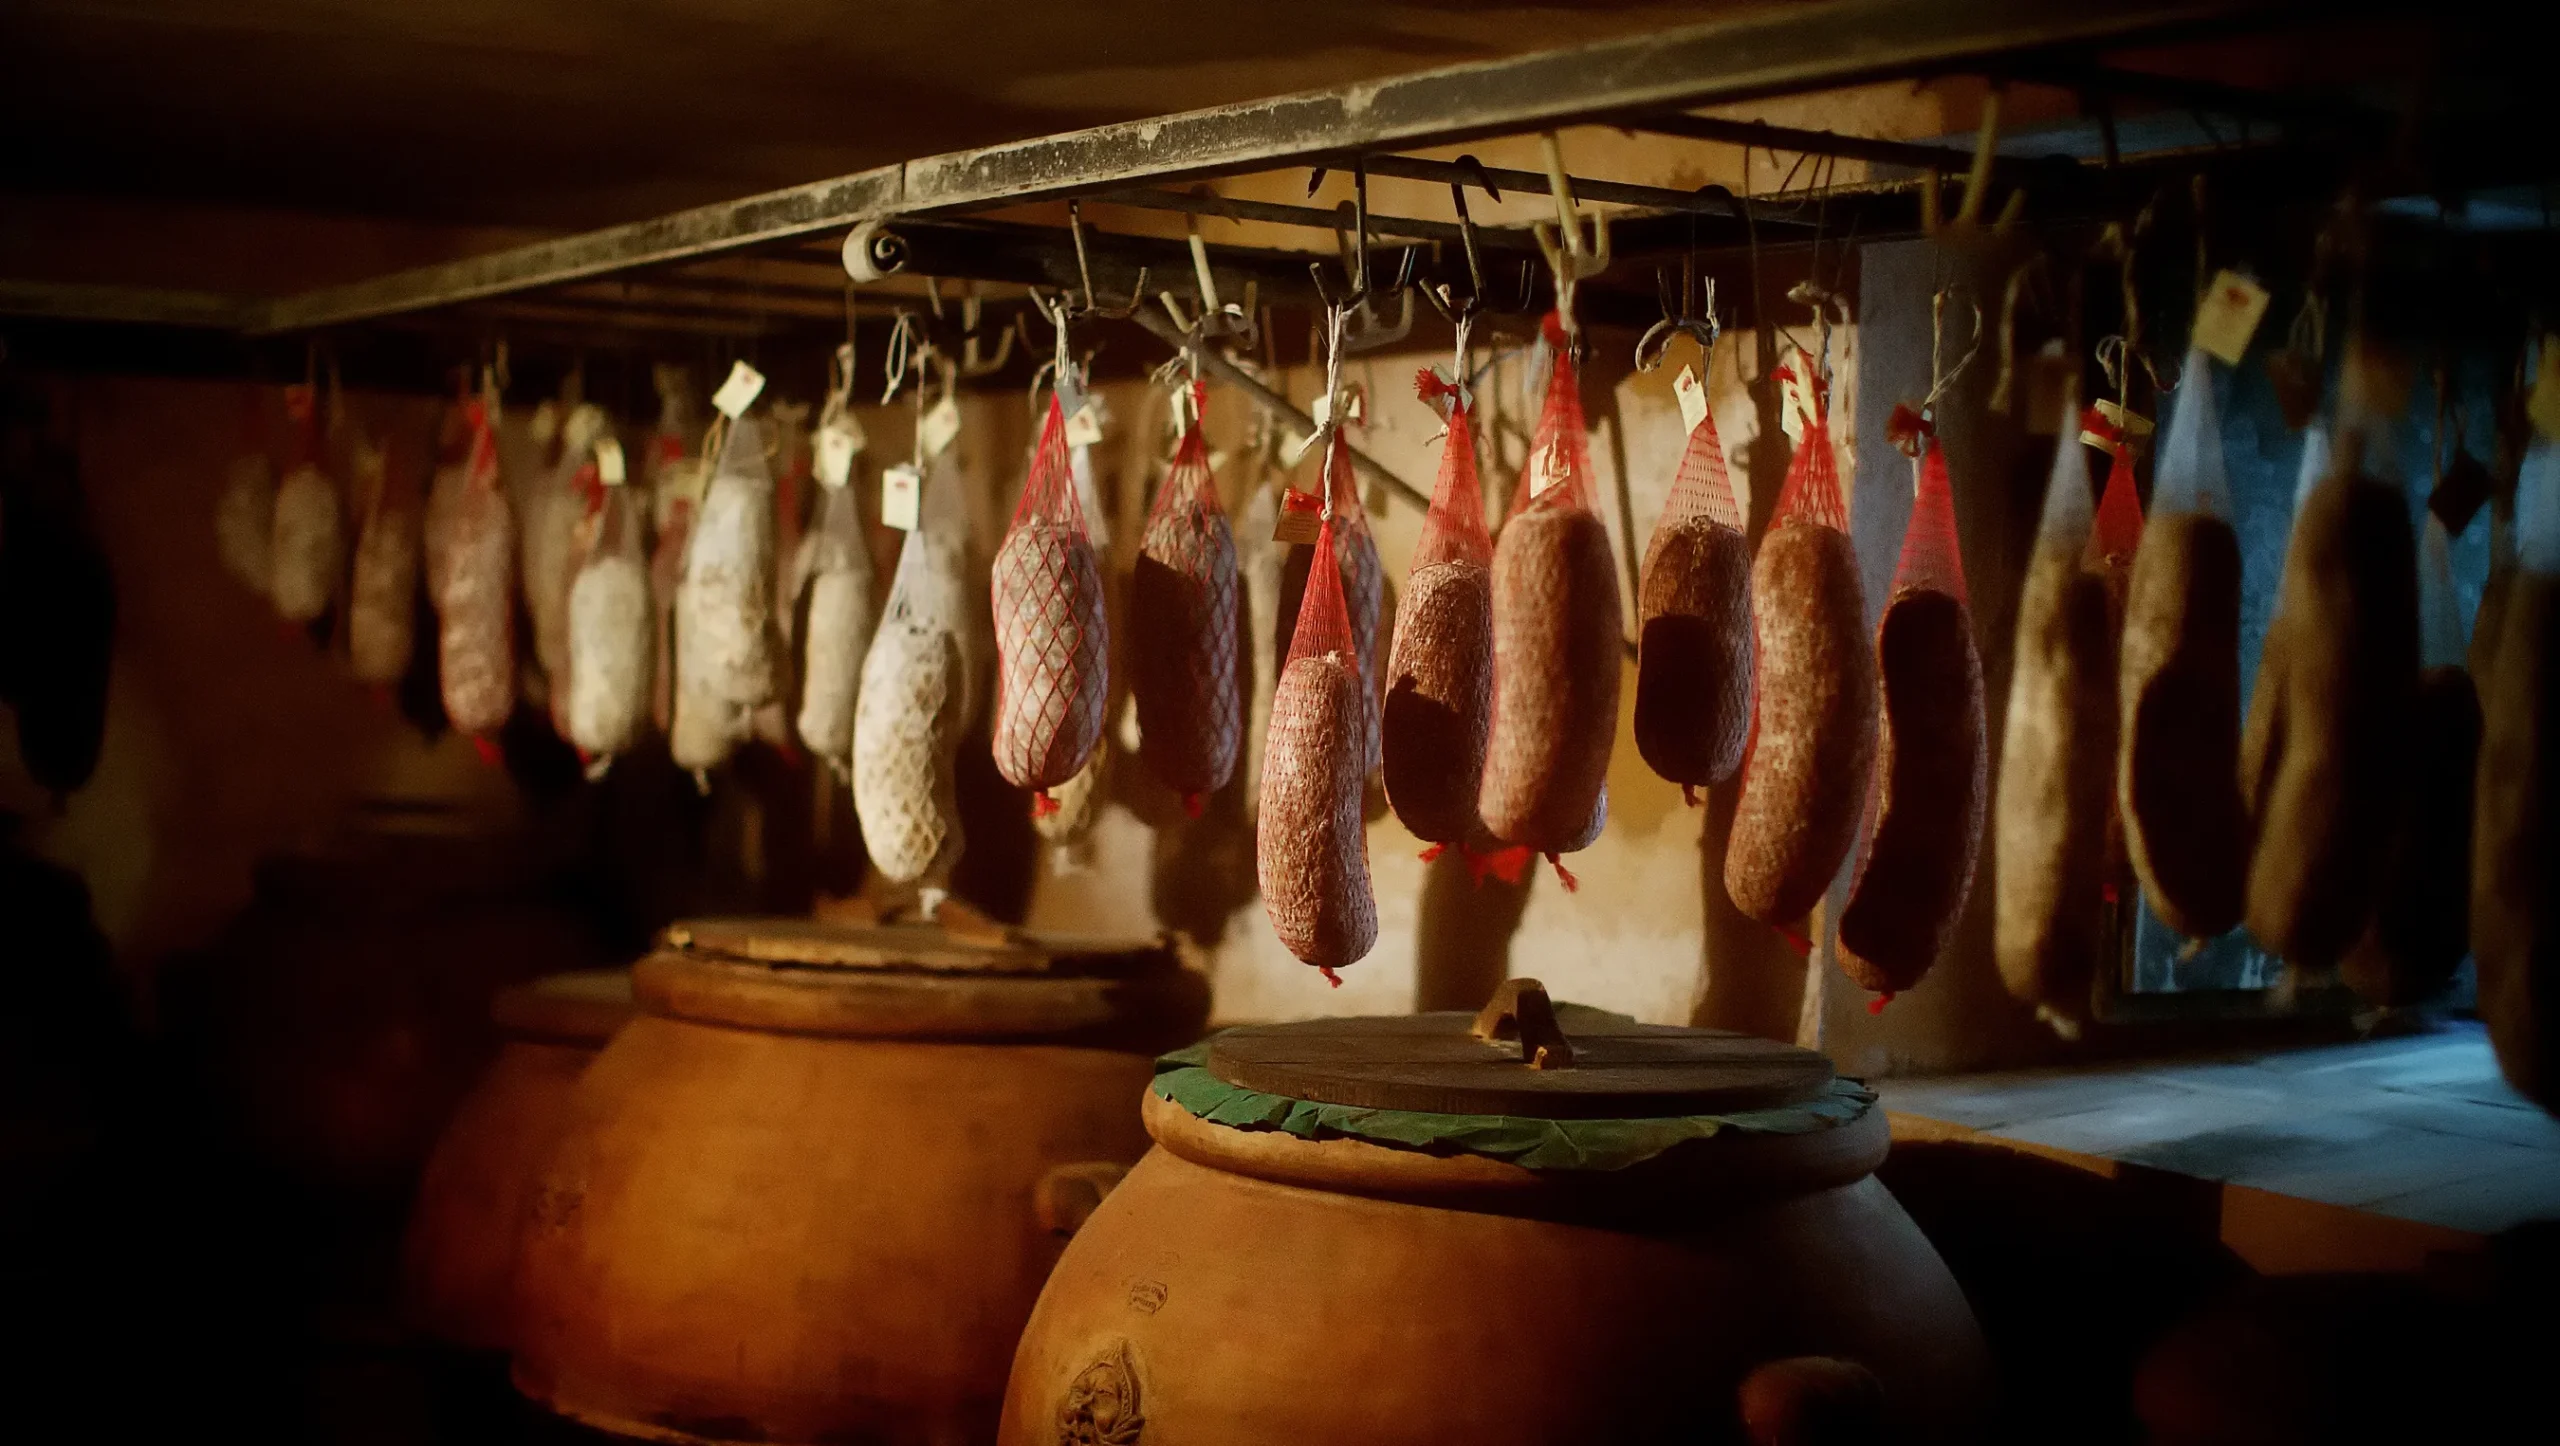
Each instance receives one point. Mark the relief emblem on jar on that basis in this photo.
(1102, 1402)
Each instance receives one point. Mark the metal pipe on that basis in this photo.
(1216, 365)
(1916, 156)
(1617, 193)
(1234, 208)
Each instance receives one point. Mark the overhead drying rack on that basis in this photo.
(778, 264)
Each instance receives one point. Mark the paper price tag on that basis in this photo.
(941, 423)
(609, 465)
(838, 443)
(1301, 518)
(1547, 468)
(1085, 427)
(2542, 406)
(2229, 316)
(901, 494)
(1794, 403)
(739, 392)
(1693, 398)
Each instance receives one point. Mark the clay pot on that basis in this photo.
(811, 1191)
(342, 1017)
(458, 1261)
(1249, 1286)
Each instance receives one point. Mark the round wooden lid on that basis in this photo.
(971, 947)
(1597, 1065)
(579, 1007)
(923, 982)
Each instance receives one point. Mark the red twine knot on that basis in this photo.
(1877, 1004)
(1329, 976)
(1042, 805)
(1571, 883)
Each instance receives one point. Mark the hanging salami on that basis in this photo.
(382, 595)
(724, 636)
(2515, 852)
(2057, 756)
(2321, 757)
(838, 619)
(1805, 781)
(555, 503)
(1693, 604)
(611, 629)
(1911, 888)
(1183, 621)
(475, 605)
(2177, 775)
(911, 709)
(1051, 645)
(1557, 639)
(1312, 851)
(1438, 713)
(309, 552)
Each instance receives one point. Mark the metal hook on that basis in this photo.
(972, 364)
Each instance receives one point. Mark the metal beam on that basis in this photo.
(1764, 52)
(1234, 208)
(141, 305)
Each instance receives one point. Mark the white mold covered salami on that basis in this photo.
(309, 554)
(244, 522)
(911, 709)
(555, 504)
(382, 595)
(610, 633)
(475, 606)
(838, 618)
(724, 632)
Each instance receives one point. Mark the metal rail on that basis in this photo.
(1792, 49)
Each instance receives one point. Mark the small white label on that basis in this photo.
(1085, 427)
(838, 443)
(2229, 316)
(1547, 468)
(901, 492)
(1794, 404)
(941, 423)
(609, 465)
(739, 392)
(1693, 398)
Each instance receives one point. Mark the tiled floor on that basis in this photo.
(2419, 1127)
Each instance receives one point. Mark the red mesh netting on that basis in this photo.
(1558, 472)
(1051, 638)
(2118, 530)
(1324, 618)
(1931, 559)
(1812, 489)
(1311, 851)
(1454, 530)
(1361, 577)
(1703, 486)
(1183, 618)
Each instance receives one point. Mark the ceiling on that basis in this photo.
(568, 113)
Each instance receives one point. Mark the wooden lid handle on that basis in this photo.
(1521, 1010)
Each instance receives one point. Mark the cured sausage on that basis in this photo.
(1918, 871)
(475, 605)
(1557, 641)
(1694, 647)
(2320, 759)
(838, 619)
(1438, 709)
(383, 593)
(724, 632)
(1806, 780)
(1052, 680)
(1312, 852)
(2057, 757)
(2177, 774)
(1183, 617)
(610, 629)
(2515, 857)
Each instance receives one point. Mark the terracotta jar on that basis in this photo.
(811, 1191)
(458, 1261)
(1407, 1232)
